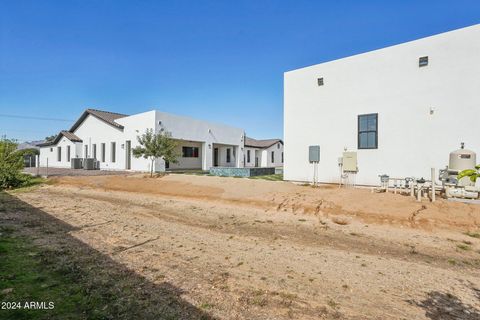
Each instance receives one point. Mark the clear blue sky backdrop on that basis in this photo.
(217, 60)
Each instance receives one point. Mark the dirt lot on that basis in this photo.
(251, 249)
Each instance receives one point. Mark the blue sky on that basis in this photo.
(217, 60)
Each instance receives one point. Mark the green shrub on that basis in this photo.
(11, 165)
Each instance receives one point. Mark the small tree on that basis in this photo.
(11, 164)
(156, 145)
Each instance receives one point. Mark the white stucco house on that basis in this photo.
(263, 153)
(110, 137)
(402, 109)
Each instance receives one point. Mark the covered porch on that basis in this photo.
(196, 155)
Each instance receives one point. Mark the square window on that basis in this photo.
(189, 152)
(423, 61)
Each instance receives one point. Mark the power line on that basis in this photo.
(33, 118)
(27, 131)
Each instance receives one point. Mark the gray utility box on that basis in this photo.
(314, 154)
(76, 163)
(90, 164)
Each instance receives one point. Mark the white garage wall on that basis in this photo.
(411, 138)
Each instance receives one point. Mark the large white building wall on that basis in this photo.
(423, 112)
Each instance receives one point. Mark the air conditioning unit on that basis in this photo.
(76, 163)
(90, 164)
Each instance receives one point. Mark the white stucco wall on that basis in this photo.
(264, 156)
(51, 153)
(188, 162)
(94, 131)
(252, 156)
(277, 149)
(389, 82)
(134, 126)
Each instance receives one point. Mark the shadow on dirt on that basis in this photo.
(445, 306)
(124, 293)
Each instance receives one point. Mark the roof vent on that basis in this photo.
(320, 82)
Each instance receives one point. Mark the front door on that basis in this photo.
(128, 155)
(256, 161)
(215, 157)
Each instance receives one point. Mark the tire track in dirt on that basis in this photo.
(311, 235)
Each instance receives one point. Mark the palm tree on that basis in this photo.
(156, 145)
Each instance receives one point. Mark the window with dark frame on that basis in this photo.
(102, 151)
(228, 155)
(273, 156)
(68, 153)
(248, 156)
(94, 151)
(113, 147)
(423, 61)
(59, 154)
(190, 152)
(282, 157)
(368, 131)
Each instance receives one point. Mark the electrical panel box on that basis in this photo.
(350, 162)
(314, 154)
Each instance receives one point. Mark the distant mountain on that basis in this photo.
(29, 144)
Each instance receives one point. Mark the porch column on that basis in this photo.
(207, 156)
(238, 158)
(159, 165)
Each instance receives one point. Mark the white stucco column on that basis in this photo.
(207, 155)
(238, 157)
(159, 165)
(264, 162)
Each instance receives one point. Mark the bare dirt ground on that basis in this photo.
(251, 249)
